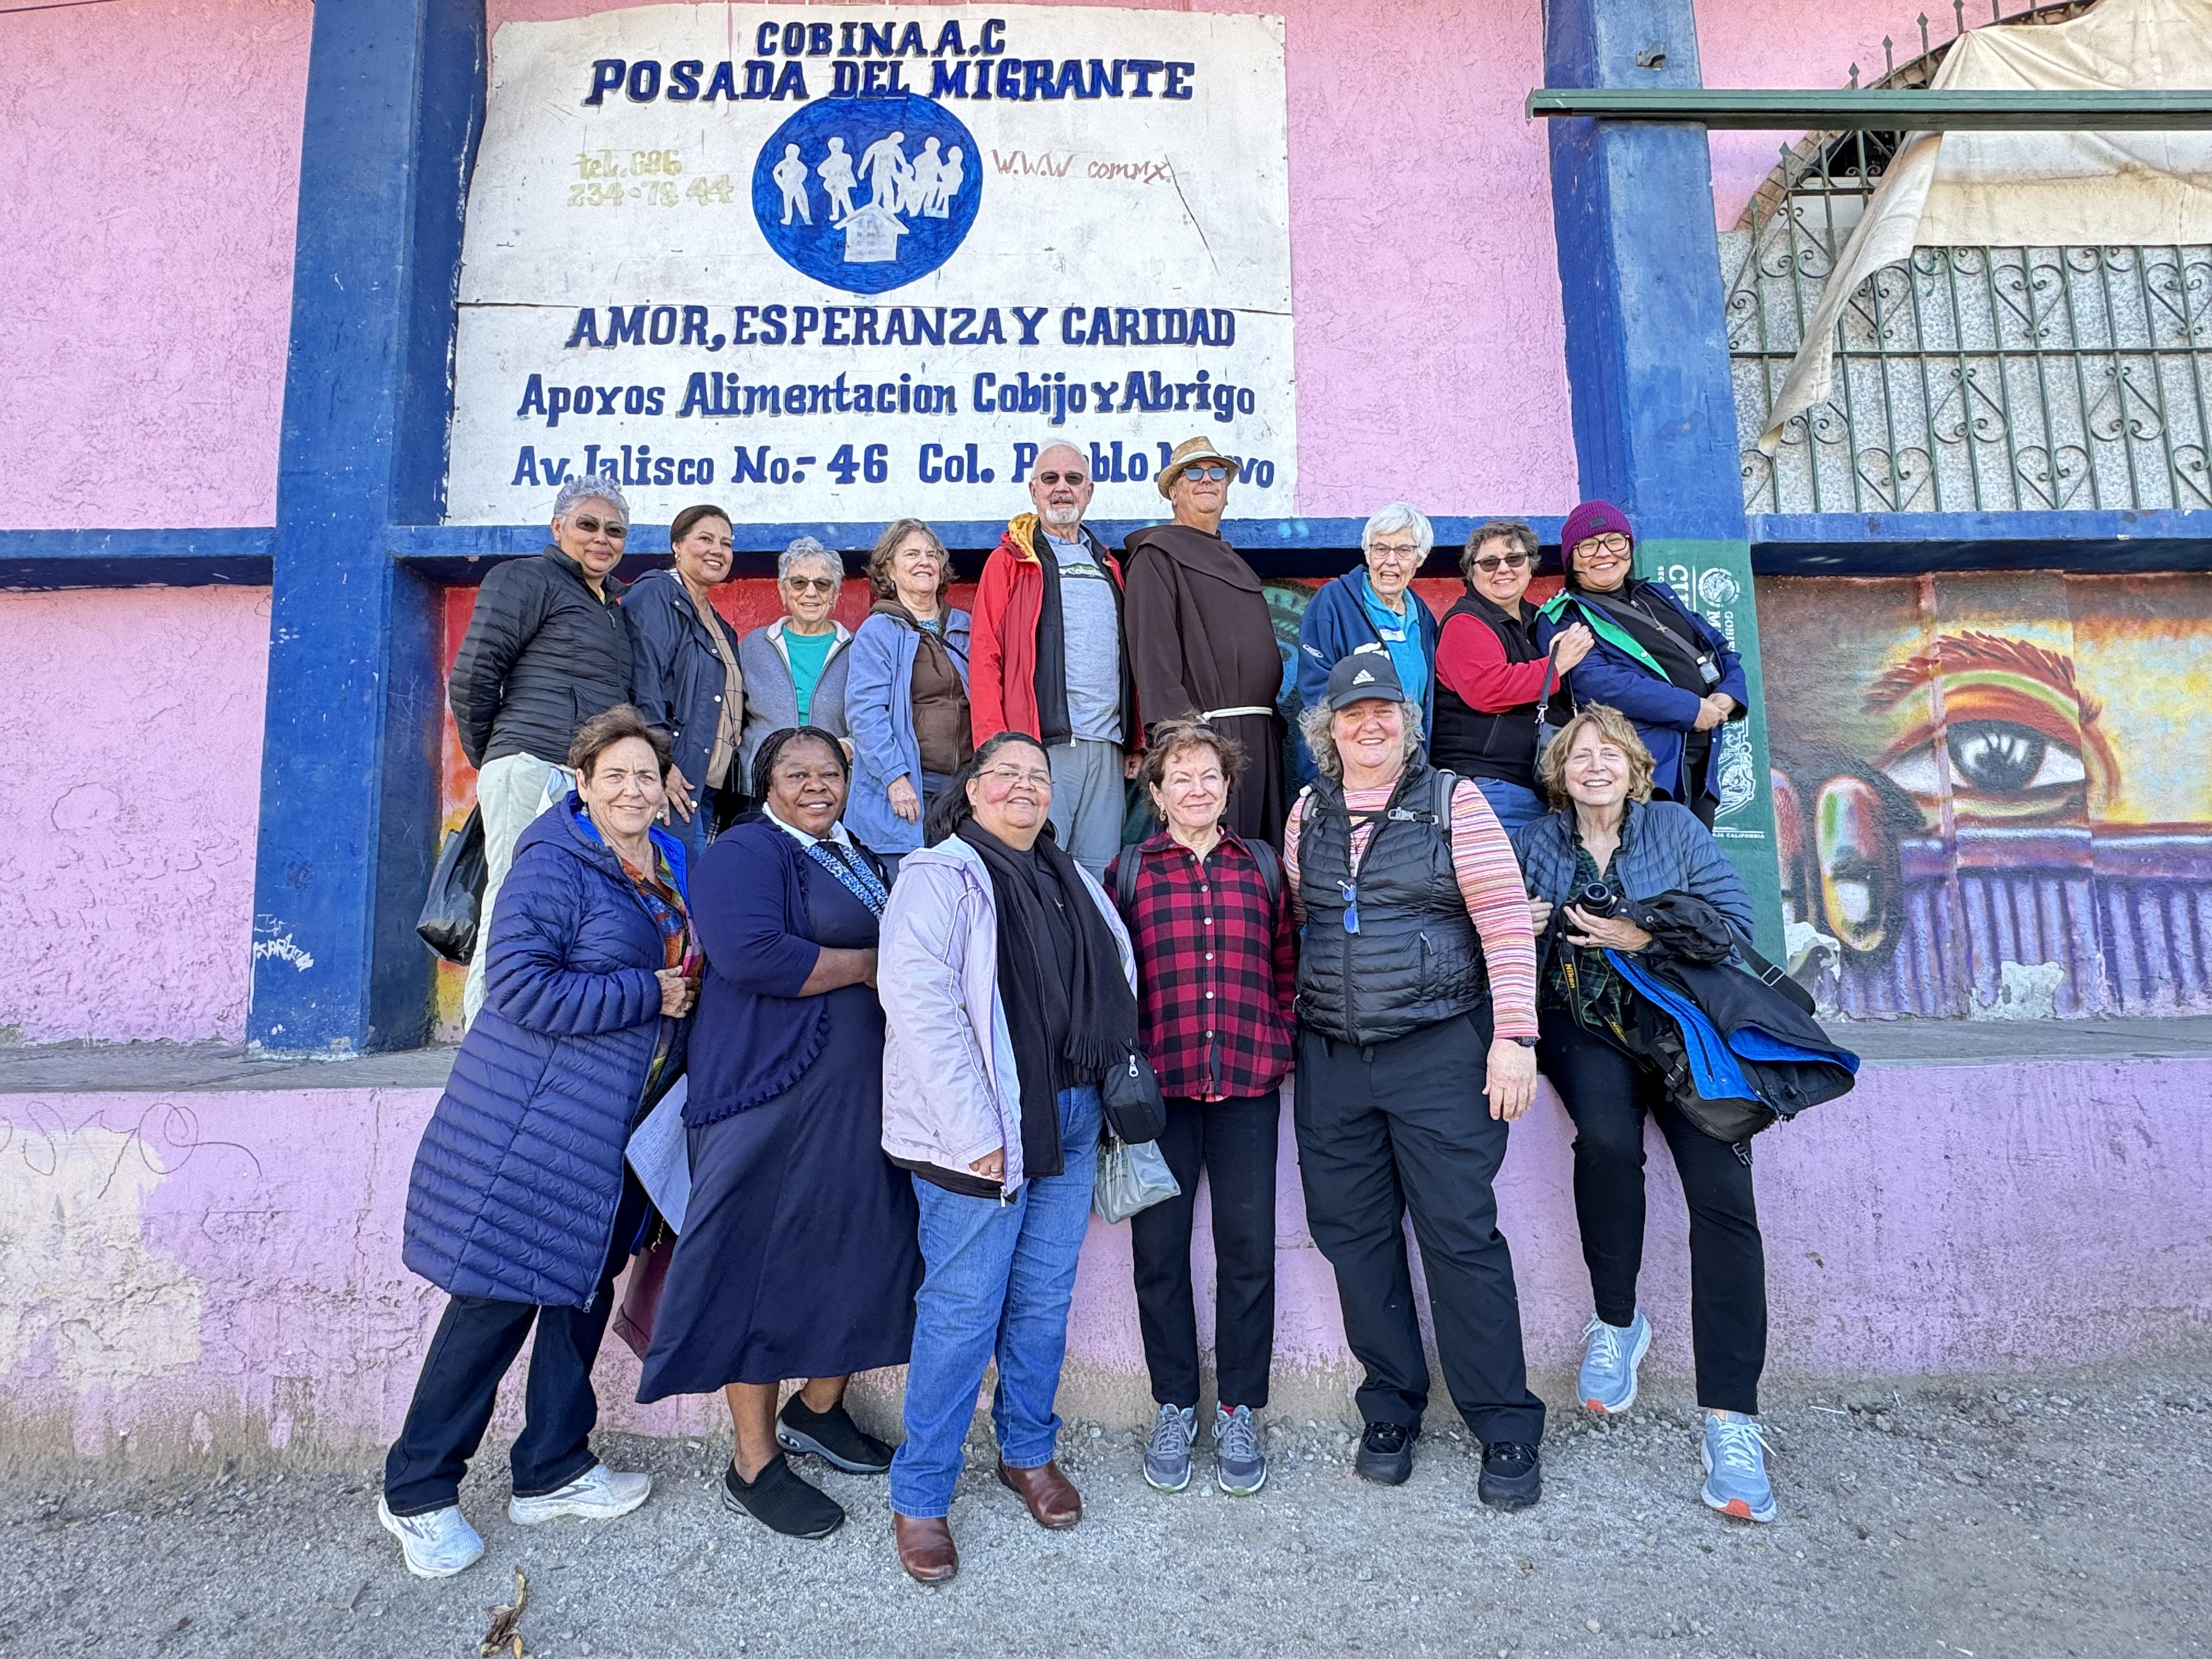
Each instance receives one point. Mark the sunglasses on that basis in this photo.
(1075, 480)
(1195, 471)
(812, 584)
(1497, 562)
(615, 528)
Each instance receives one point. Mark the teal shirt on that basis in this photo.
(808, 653)
(1401, 634)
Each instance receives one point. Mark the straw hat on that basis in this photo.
(1190, 450)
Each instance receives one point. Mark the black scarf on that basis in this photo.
(1069, 1009)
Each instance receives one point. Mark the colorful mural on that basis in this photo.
(1991, 792)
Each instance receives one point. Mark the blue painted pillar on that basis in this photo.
(1647, 361)
(350, 757)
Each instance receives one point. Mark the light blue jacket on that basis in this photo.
(879, 719)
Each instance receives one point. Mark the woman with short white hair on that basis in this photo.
(795, 667)
(1374, 605)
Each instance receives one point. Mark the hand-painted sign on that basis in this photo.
(845, 264)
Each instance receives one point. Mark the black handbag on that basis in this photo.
(452, 912)
(1131, 1094)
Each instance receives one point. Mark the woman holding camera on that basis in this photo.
(1657, 661)
(1606, 847)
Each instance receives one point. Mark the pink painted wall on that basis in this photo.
(126, 877)
(2034, 1215)
(154, 145)
(1429, 337)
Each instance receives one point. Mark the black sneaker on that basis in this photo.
(1512, 1476)
(781, 1502)
(831, 1435)
(1386, 1453)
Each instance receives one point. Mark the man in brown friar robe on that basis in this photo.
(1201, 640)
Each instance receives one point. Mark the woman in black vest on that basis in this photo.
(1490, 673)
(1415, 925)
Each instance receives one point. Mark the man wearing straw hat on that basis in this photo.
(1201, 643)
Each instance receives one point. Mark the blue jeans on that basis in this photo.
(1514, 805)
(997, 1280)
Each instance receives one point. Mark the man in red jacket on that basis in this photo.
(1048, 657)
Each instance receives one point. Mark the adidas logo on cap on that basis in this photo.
(1363, 677)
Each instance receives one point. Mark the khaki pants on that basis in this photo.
(511, 792)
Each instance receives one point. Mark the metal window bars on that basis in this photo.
(1966, 378)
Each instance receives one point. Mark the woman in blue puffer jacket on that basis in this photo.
(520, 1206)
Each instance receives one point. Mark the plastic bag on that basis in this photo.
(450, 913)
(1132, 1176)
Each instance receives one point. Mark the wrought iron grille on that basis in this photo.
(1965, 378)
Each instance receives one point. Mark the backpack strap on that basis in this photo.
(1270, 869)
(1125, 880)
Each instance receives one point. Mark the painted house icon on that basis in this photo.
(872, 234)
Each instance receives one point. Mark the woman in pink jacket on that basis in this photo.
(1008, 988)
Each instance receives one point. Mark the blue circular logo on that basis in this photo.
(867, 194)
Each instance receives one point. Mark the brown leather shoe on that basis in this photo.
(924, 1548)
(1052, 1499)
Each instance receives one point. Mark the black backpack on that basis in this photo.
(1125, 876)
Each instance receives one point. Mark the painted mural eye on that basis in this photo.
(2002, 758)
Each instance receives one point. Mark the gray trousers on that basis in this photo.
(511, 791)
(1087, 801)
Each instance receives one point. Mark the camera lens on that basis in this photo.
(1595, 900)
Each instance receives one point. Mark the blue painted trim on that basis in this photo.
(349, 756)
(47, 561)
(1908, 543)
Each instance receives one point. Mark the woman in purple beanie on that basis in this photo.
(1656, 661)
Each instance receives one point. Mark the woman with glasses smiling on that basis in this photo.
(1374, 605)
(1491, 674)
(1654, 658)
(1008, 989)
(796, 667)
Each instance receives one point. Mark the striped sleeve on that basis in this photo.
(1490, 882)
(1290, 855)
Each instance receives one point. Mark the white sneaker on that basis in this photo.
(597, 1494)
(437, 1544)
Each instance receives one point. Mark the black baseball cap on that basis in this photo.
(1368, 673)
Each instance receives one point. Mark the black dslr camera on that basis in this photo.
(1595, 900)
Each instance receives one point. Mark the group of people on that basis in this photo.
(898, 979)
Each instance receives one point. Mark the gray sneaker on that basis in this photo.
(1239, 1465)
(1167, 1458)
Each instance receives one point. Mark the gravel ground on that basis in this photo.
(2007, 1516)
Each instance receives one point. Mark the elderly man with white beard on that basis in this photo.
(1049, 656)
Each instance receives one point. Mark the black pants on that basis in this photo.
(476, 1342)
(1405, 1126)
(1235, 1140)
(1606, 1094)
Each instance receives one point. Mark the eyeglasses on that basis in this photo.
(615, 528)
(812, 584)
(1396, 550)
(1497, 562)
(1613, 547)
(1195, 472)
(1075, 480)
(1008, 776)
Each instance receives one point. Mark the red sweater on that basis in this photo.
(1471, 661)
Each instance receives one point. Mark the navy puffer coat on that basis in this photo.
(520, 1170)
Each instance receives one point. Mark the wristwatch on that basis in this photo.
(1525, 1042)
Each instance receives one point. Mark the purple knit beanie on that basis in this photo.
(1592, 518)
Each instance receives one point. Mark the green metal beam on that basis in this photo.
(1885, 111)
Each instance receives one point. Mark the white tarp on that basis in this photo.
(840, 263)
(2033, 189)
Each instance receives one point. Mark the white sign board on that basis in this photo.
(833, 265)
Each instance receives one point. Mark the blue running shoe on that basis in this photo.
(1608, 1382)
(1734, 1455)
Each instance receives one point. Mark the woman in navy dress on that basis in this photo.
(798, 1257)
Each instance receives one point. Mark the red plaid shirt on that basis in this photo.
(1217, 969)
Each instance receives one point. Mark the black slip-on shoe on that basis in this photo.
(832, 1436)
(781, 1502)
(1512, 1476)
(1386, 1453)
